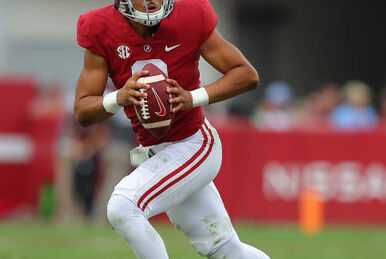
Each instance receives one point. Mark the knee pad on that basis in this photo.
(210, 235)
(120, 210)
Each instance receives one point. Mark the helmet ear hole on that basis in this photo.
(115, 4)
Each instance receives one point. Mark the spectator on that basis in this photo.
(316, 111)
(382, 109)
(275, 113)
(87, 163)
(356, 112)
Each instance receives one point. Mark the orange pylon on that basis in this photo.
(311, 212)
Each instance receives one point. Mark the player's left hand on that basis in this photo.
(182, 100)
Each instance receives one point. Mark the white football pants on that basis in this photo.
(177, 180)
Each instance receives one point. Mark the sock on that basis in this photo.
(235, 249)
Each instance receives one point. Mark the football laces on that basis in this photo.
(145, 107)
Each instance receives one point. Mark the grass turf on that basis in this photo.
(51, 241)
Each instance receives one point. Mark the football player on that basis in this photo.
(174, 174)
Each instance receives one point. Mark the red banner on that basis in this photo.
(262, 177)
(264, 173)
(27, 138)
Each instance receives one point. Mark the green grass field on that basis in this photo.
(51, 241)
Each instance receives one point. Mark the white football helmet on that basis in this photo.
(148, 18)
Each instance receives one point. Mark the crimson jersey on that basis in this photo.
(173, 48)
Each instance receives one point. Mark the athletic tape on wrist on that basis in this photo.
(110, 102)
(200, 97)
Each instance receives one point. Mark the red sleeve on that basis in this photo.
(88, 36)
(209, 20)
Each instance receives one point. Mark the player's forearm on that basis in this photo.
(236, 81)
(89, 110)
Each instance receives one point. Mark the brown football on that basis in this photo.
(156, 114)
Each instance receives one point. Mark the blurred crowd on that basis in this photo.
(350, 107)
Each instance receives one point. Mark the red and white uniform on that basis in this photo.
(177, 178)
(173, 48)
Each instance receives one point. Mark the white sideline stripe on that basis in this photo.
(158, 124)
(151, 79)
(15, 148)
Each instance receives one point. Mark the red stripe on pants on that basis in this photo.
(191, 160)
(179, 169)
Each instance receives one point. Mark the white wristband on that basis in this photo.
(200, 97)
(110, 102)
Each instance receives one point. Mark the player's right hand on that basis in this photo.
(130, 93)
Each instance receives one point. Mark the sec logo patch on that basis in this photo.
(123, 52)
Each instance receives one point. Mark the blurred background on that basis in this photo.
(304, 167)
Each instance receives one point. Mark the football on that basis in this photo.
(156, 114)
